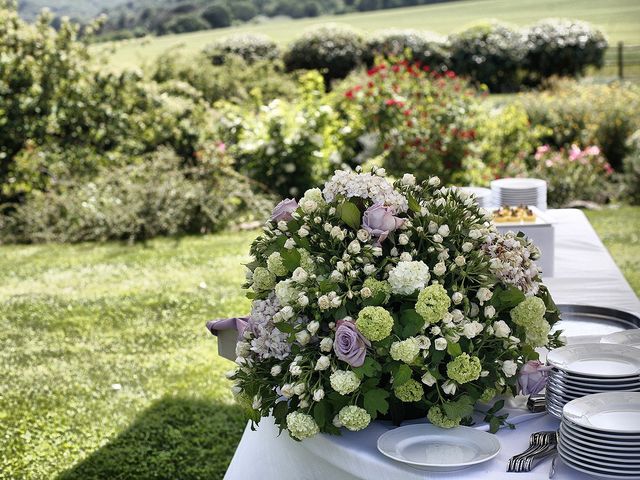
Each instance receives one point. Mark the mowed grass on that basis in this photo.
(78, 320)
(620, 19)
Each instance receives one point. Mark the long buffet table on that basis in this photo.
(584, 274)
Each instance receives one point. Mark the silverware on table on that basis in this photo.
(541, 445)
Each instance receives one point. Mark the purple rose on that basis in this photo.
(284, 210)
(533, 377)
(379, 221)
(349, 344)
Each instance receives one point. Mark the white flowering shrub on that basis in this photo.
(377, 300)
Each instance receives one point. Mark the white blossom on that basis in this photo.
(428, 379)
(326, 344)
(440, 343)
(501, 329)
(322, 363)
(509, 367)
(407, 277)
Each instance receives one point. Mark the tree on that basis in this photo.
(243, 10)
(218, 16)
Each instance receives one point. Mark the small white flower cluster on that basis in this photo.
(407, 277)
(512, 261)
(267, 341)
(365, 185)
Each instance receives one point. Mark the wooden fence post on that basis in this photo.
(620, 61)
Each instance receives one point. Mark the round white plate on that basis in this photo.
(599, 433)
(595, 467)
(616, 412)
(563, 381)
(623, 441)
(631, 338)
(580, 448)
(604, 381)
(590, 443)
(577, 391)
(438, 449)
(596, 360)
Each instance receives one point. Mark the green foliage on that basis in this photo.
(562, 47)
(217, 15)
(289, 146)
(332, 49)
(601, 115)
(186, 24)
(631, 172)
(491, 54)
(415, 121)
(235, 81)
(156, 196)
(425, 47)
(250, 48)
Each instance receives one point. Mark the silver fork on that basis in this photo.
(540, 443)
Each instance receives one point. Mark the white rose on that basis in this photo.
(457, 315)
(473, 312)
(428, 379)
(443, 255)
(435, 330)
(295, 369)
(290, 244)
(282, 226)
(318, 395)
(313, 327)
(299, 388)
(336, 276)
(509, 367)
(242, 349)
(489, 311)
(365, 292)
(405, 257)
(440, 343)
(299, 275)
(275, 370)
(475, 234)
(286, 312)
(354, 247)
(441, 202)
(408, 179)
(303, 232)
(287, 390)
(363, 235)
(444, 230)
(324, 303)
(440, 269)
(369, 269)
(501, 329)
(460, 260)
(308, 206)
(457, 297)
(484, 295)
(377, 251)
(437, 238)
(403, 239)
(323, 362)
(326, 344)
(303, 300)
(434, 181)
(449, 387)
(467, 247)
(472, 329)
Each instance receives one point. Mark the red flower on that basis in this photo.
(349, 94)
(451, 74)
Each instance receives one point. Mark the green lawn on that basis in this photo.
(620, 19)
(75, 320)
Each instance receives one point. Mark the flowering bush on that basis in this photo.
(573, 174)
(421, 120)
(372, 299)
(425, 47)
(249, 47)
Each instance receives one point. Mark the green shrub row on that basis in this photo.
(497, 55)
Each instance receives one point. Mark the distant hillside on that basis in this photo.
(81, 10)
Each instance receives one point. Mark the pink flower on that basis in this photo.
(592, 150)
(284, 209)
(541, 150)
(574, 152)
(533, 377)
(379, 221)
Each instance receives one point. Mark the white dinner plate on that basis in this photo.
(577, 385)
(590, 432)
(631, 338)
(589, 442)
(581, 448)
(595, 469)
(438, 449)
(601, 360)
(622, 441)
(616, 412)
(578, 391)
(592, 380)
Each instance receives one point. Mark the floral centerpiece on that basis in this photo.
(380, 300)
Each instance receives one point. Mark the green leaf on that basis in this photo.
(454, 349)
(284, 327)
(351, 215)
(290, 258)
(369, 368)
(401, 375)
(506, 299)
(494, 424)
(375, 301)
(496, 407)
(376, 401)
(327, 286)
(320, 413)
(413, 203)
(411, 322)
(463, 407)
(280, 412)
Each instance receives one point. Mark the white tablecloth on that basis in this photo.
(584, 274)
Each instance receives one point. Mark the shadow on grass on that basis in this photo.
(175, 438)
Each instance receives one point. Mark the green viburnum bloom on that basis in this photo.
(275, 264)
(464, 368)
(375, 323)
(301, 425)
(378, 287)
(406, 350)
(354, 418)
(438, 418)
(344, 381)
(529, 314)
(433, 302)
(263, 279)
(488, 394)
(410, 391)
(306, 262)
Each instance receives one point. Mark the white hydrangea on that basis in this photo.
(266, 340)
(407, 277)
(286, 292)
(344, 382)
(364, 185)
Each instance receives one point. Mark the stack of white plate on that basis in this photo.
(626, 337)
(519, 191)
(482, 195)
(600, 435)
(587, 368)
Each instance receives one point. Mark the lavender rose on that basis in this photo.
(284, 209)
(533, 377)
(379, 221)
(349, 344)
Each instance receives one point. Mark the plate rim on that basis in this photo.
(439, 465)
(554, 352)
(586, 451)
(575, 404)
(596, 468)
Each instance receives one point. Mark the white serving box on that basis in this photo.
(541, 233)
